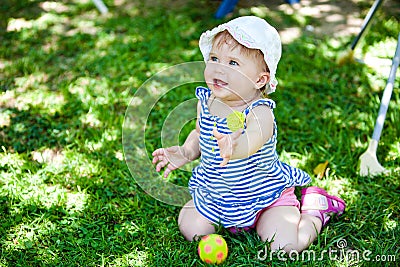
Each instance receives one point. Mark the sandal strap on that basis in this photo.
(317, 202)
(314, 202)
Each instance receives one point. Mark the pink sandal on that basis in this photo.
(317, 202)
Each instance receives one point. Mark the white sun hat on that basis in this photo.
(252, 32)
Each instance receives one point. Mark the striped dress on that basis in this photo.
(233, 194)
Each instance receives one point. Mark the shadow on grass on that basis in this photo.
(65, 88)
(18, 9)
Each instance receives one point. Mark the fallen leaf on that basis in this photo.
(321, 169)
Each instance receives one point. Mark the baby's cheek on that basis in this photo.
(207, 73)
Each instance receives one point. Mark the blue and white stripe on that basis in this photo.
(233, 194)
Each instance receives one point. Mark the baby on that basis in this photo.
(240, 182)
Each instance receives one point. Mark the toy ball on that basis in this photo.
(213, 249)
(235, 121)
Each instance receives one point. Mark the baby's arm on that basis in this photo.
(176, 156)
(260, 124)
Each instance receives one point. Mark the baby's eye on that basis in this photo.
(233, 63)
(215, 59)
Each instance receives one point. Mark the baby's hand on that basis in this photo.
(227, 144)
(172, 157)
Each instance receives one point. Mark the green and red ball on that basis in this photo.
(212, 249)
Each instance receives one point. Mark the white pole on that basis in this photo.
(101, 6)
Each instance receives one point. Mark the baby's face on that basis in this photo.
(232, 75)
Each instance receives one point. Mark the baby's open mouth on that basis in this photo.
(219, 83)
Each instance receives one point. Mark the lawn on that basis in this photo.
(85, 99)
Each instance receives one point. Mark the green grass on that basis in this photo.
(67, 197)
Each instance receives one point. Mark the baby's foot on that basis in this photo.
(317, 202)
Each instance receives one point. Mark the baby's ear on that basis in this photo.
(263, 79)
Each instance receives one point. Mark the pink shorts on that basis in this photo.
(288, 198)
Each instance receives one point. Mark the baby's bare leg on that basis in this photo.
(192, 223)
(288, 229)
